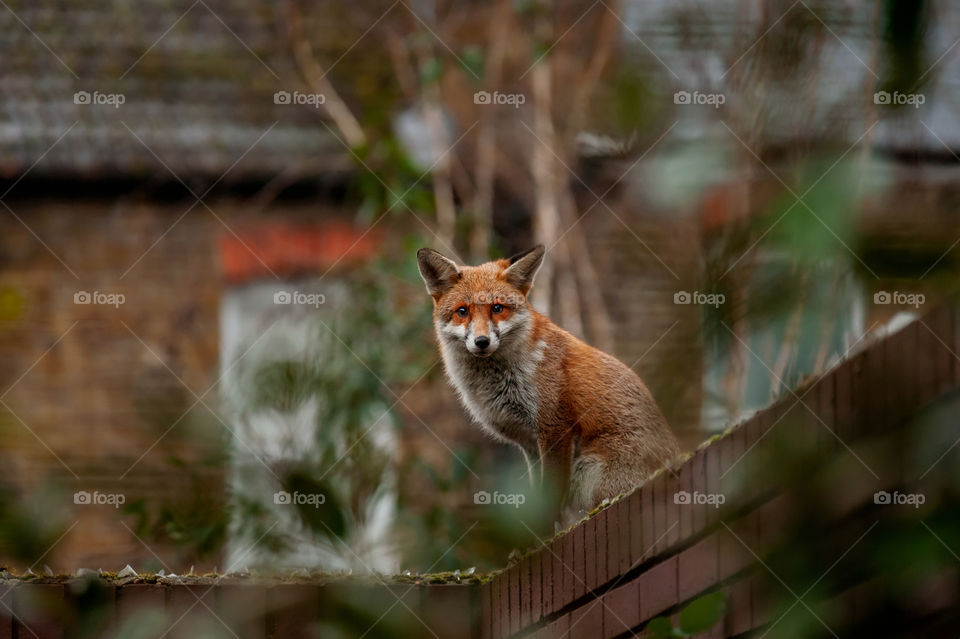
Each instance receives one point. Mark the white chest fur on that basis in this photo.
(500, 392)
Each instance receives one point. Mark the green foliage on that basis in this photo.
(699, 616)
(29, 525)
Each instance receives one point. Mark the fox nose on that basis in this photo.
(482, 342)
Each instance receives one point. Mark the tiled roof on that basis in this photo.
(197, 82)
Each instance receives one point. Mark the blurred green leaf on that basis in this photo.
(702, 614)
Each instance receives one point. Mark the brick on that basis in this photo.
(621, 611)
(623, 531)
(294, 610)
(586, 622)
(579, 557)
(873, 403)
(648, 507)
(40, 610)
(607, 546)
(6, 612)
(540, 633)
(525, 589)
(777, 425)
(806, 429)
(637, 525)
(536, 586)
(658, 589)
(501, 605)
(548, 580)
(843, 376)
(734, 542)
(909, 390)
(133, 600)
(765, 594)
(380, 609)
(826, 408)
(859, 393)
(712, 482)
(732, 448)
(569, 571)
(591, 540)
(486, 611)
(928, 348)
(660, 524)
(698, 466)
(945, 360)
(671, 486)
(697, 568)
(685, 515)
(560, 627)
(195, 607)
(448, 611)
(90, 609)
(772, 519)
(513, 594)
(757, 460)
(243, 608)
(739, 617)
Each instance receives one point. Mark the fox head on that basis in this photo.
(480, 309)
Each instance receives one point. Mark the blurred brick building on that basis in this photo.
(142, 154)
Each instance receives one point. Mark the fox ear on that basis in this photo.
(523, 268)
(438, 272)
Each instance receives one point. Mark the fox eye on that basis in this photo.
(497, 308)
(462, 311)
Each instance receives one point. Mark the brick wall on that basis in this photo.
(223, 609)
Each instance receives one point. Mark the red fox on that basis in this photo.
(580, 414)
